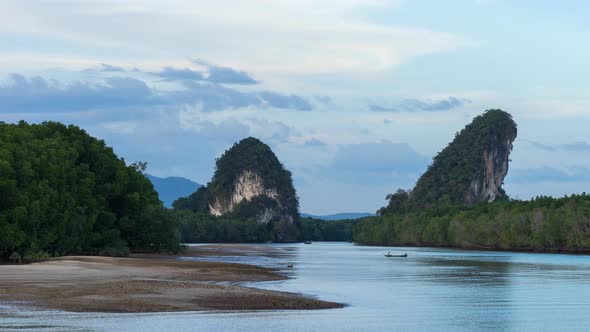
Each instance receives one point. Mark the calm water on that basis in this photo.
(432, 289)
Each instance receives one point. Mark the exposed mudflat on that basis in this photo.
(147, 283)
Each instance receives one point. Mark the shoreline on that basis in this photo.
(481, 248)
(147, 283)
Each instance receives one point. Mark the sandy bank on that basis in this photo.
(145, 283)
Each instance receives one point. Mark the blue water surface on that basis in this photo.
(431, 290)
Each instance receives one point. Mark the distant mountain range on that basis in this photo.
(172, 188)
(339, 216)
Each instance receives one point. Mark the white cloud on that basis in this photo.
(122, 127)
(285, 36)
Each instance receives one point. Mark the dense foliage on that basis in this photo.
(253, 155)
(458, 165)
(543, 224)
(327, 230)
(435, 212)
(250, 154)
(63, 191)
(198, 201)
(196, 227)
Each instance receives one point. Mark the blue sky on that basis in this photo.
(354, 96)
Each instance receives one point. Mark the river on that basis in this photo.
(433, 289)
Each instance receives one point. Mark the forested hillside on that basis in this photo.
(65, 192)
(542, 224)
(470, 170)
(250, 184)
(460, 202)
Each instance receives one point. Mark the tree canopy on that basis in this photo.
(460, 164)
(63, 191)
(435, 212)
(252, 155)
(541, 224)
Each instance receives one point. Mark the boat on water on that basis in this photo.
(307, 242)
(390, 255)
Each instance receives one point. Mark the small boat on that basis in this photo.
(307, 242)
(390, 255)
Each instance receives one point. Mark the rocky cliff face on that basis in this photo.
(488, 184)
(470, 170)
(247, 186)
(250, 183)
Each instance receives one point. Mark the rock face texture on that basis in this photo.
(250, 183)
(470, 170)
(488, 185)
(247, 186)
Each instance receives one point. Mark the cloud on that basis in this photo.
(285, 101)
(548, 174)
(37, 94)
(226, 75)
(172, 149)
(210, 73)
(173, 74)
(380, 156)
(158, 30)
(579, 146)
(376, 163)
(538, 145)
(110, 68)
(215, 97)
(228, 130)
(323, 99)
(314, 142)
(242, 125)
(379, 108)
(104, 68)
(576, 146)
(124, 127)
(272, 131)
(186, 142)
(417, 105)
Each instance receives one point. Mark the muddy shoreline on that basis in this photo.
(148, 283)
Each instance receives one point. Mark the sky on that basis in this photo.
(354, 96)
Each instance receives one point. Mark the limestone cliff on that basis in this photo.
(487, 186)
(250, 183)
(247, 186)
(470, 170)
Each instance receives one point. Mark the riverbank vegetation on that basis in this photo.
(204, 228)
(196, 227)
(65, 192)
(249, 166)
(542, 224)
(459, 201)
(327, 230)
